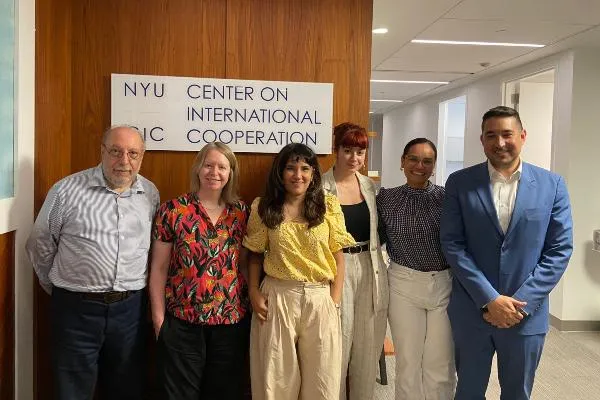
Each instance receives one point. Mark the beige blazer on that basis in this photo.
(380, 282)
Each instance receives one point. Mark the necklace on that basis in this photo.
(210, 209)
(346, 187)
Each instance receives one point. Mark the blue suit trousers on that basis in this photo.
(518, 357)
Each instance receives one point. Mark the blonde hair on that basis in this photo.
(229, 194)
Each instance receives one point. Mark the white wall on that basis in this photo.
(575, 144)
(535, 107)
(403, 125)
(581, 286)
(420, 119)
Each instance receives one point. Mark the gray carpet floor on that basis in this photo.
(569, 370)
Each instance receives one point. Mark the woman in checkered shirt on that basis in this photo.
(419, 278)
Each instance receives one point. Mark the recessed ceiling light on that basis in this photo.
(387, 101)
(476, 43)
(380, 31)
(394, 81)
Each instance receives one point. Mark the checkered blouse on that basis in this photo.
(410, 225)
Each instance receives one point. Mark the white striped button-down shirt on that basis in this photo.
(88, 238)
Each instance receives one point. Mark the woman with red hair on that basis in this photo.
(365, 293)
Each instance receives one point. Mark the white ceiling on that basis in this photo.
(557, 24)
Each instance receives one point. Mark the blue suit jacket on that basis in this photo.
(526, 263)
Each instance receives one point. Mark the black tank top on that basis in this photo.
(357, 221)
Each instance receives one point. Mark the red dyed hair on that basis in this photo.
(348, 134)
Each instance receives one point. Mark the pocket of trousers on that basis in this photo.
(445, 289)
(267, 293)
(161, 331)
(399, 280)
(271, 306)
(409, 287)
(336, 310)
(401, 273)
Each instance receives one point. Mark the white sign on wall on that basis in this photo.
(184, 114)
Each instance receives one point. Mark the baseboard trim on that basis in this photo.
(574, 326)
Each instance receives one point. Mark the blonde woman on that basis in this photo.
(197, 292)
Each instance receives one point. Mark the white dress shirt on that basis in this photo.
(504, 193)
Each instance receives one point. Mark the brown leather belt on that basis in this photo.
(106, 297)
(359, 248)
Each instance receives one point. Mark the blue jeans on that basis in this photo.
(98, 344)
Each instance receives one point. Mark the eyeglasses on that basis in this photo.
(118, 153)
(427, 162)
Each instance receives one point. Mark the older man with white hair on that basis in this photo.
(89, 248)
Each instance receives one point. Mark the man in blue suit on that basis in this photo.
(506, 232)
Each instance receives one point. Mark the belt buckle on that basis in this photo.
(355, 249)
(113, 297)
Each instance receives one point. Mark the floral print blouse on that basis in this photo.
(204, 283)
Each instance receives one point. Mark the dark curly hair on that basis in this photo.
(270, 207)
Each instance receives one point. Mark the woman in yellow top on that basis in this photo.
(296, 233)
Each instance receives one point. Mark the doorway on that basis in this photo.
(533, 97)
(451, 137)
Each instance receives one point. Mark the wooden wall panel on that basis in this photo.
(158, 37)
(306, 41)
(52, 144)
(7, 316)
(52, 95)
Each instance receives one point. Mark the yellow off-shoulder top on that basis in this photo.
(294, 252)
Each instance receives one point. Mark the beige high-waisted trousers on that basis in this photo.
(421, 333)
(296, 353)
